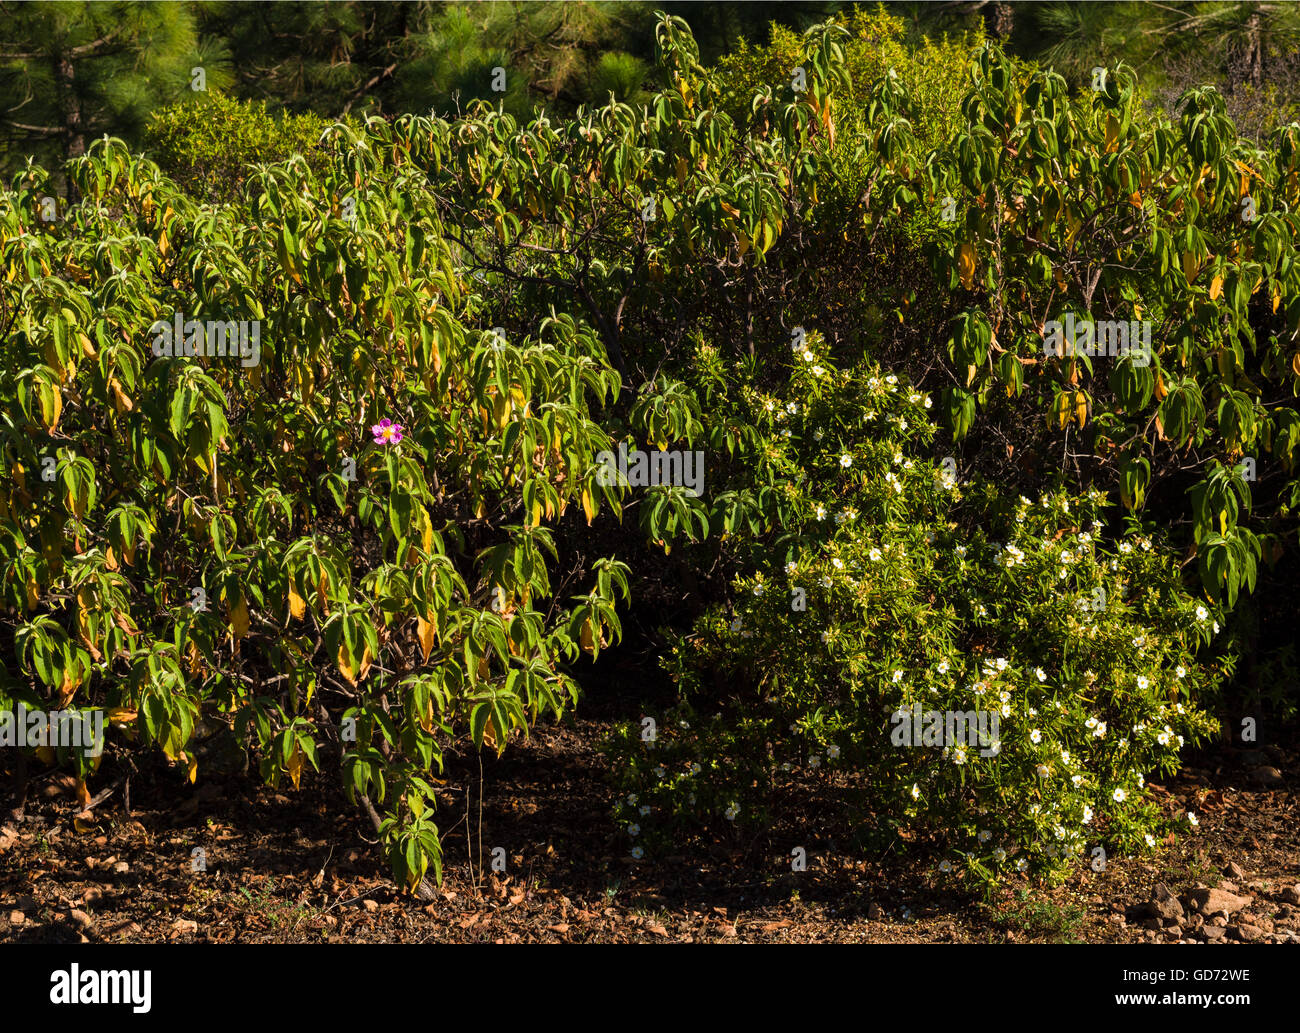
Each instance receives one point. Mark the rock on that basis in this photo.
(17, 918)
(370, 905)
(875, 912)
(1233, 871)
(1214, 932)
(1267, 775)
(1290, 894)
(1231, 887)
(1152, 924)
(1218, 921)
(1174, 932)
(183, 926)
(121, 868)
(1164, 904)
(1244, 932)
(80, 919)
(1210, 902)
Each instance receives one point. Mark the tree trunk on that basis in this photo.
(74, 138)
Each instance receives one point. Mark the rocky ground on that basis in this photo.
(299, 867)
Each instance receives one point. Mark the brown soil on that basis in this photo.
(299, 867)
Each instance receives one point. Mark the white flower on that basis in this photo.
(1043, 770)
(660, 771)
(769, 405)
(916, 791)
(1035, 736)
(1125, 547)
(731, 812)
(1090, 723)
(891, 380)
(961, 550)
(695, 768)
(837, 563)
(1040, 674)
(818, 434)
(874, 555)
(1150, 839)
(833, 752)
(1076, 780)
(945, 866)
(999, 854)
(825, 635)
(943, 667)
(959, 755)
(1065, 756)
(1022, 865)
(637, 853)
(846, 461)
(792, 408)
(645, 809)
(1163, 738)
(1100, 731)
(985, 835)
(1216, 627)
(808, 357)
(632, 799)
(1087, 814)
(1142, 682)
(981, 610)
(898, 676)
(1202, 613)
(1118, 795)
(791, 568)
(814, 761)
(1000, 664)
(1192, 818)
(1181, 671)
(634, 829)
(817, 371)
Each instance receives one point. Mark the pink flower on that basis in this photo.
(387, 432)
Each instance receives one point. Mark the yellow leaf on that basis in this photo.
(588, 504)
(84, 827)
(121, 716)
(588, 637)
(427, 633)
(192, 769)
(966, 263)
(1112, 132)
(110, 559)
(121, 400)
(345, 664)
(83, 794)
(1216, 287)
(367, 658)
(239, 619)
(297, 604)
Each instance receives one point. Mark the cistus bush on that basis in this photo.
(281, 478)
(895, 586)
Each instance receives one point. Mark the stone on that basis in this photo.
(1164, 904)
(1290, 895)
(1213, 901)
(1233, 871)
(1218, 922)
(1214, 932)
(1267, 775)
(1244, 932)
(80, 919)
(17, 918)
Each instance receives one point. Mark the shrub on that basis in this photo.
(208, 145)
(892, 586)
